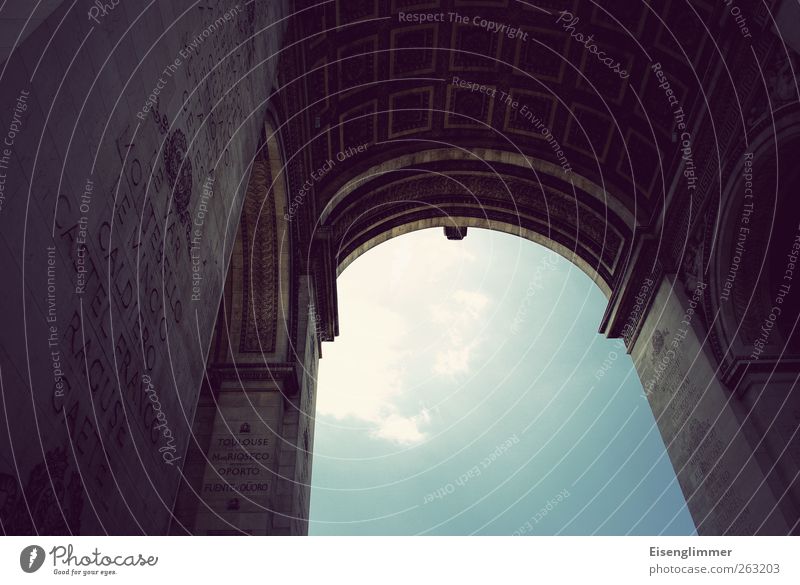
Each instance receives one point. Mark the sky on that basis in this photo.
(469, 392)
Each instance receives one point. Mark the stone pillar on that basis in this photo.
(293, 492)
(721, 474)
(248, 469)
(112, 246)
(231, 470)
(769, 412)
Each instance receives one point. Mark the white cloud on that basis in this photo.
(450, 362)
(402, 429)
(463, 315)
(364, 377)
(364, 387)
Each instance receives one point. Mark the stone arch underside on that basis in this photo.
(386, 131)
(352, 79)
(480, 188)
(380, 138)
(382, 133)
(389, 123)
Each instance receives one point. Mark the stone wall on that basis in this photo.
(130, 138)
(719, 473)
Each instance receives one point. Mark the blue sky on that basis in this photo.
(462, 397)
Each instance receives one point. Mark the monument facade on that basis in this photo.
(181, 186)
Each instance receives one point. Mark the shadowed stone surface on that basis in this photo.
(183, 186)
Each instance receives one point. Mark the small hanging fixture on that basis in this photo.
(454, 232)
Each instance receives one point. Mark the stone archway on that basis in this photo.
(368, 161)
(375, 124)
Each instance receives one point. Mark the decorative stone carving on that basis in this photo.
(260, 263)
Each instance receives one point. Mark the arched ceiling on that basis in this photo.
(397, 112)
